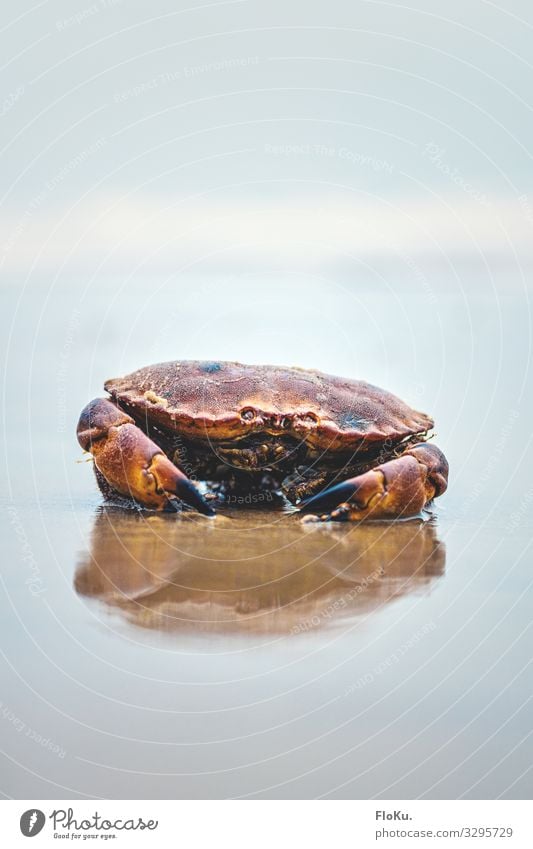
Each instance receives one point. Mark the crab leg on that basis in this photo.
(130, 462)
(400, 488)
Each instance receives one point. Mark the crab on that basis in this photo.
(206, 433)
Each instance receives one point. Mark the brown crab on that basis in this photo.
(339, 448)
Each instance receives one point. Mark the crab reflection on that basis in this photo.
(252, 571)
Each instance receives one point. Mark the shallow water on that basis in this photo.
(250, 655)
(259, 575)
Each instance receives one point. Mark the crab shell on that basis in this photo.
(225, 401)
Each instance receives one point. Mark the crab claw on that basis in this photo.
(173, 482)
(400, 488)
(329, 499)
(131, 463)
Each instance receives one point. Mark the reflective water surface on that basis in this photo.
(257, 575)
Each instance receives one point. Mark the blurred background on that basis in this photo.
(346, 186)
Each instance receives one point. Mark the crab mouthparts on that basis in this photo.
(260, 452)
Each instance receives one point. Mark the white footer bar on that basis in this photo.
(267, 824)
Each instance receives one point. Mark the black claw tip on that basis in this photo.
(188, 493)
(328, 500)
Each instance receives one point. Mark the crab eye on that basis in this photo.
(310, 418)
(285, 423)
(247, 414)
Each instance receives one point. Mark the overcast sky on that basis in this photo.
(161, 136)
